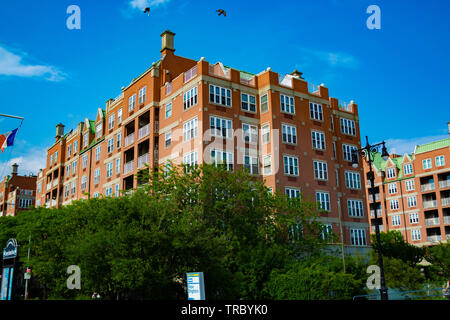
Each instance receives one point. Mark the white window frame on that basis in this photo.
(265, 133)
(390, 173)
(220, 95)
(290, 165)
(249, 133)
(83, 182)
(252, 164)
(168, 108)
(132, 102)
(348, 127)
(142, 94)
(111, 120)
(190, 158)
(109, 169)
(168, 139)
(287, 104)
(412, 201)
(267, 163)
(97, 176)
(218, 125)
(288, 133)
(414, 218)
(323, 199)
(409, 185)
(358, 237)
(415, 235)
(408, 169)
(392, 188)
(84, 161)
(119, 140)
(190, 129)
(352, 180)
(355, 208)
(110, 145)
(218, 156)
(118, 165)
(395, 219)
(292, 192)
(98, 130)
(190, 98)
(440, 161)
(347, 151)
(394, 204)
(98, 153)
(264, 104)
(247, 105)
(315, 111)
(318, 140)
(427, 164)
(119, 116)
(320, 170)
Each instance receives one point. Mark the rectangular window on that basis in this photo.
(190, 159)
(73, 189)
(412, 201)
(51, 159)
(110, 145)
(66, 190)
(409, 185)
(109, 169)
(119, 140)
(98, 131)
(219, 95)
(325, 231)
(108, 191)
(84, 161)
(168, 110)
(222, 157)
(75, 147)
(426, 163)
(355, 208)
(142, 95)
(292, 192)
(190, 98)
(320, 170)
(440, 161)
(83, 182)
(395, 220)
(132, 102)
(85, 140)
(352, 180)
(408, 168)
(118, 165)
(74, 166)
(96, 195)
(98, 153)
(414, 218)
(249, 133)
(323, 199)
(348, 127)
(415, 234)
(390, 173)
(394, 204)
(68, 170)
(111, 121)
(264, 103)
(267, 165)
(251, 163)
(318, 140)
(69, 150)
(190, 129)
(315, 111)
(220, 127)
(287, 104)
(289, 134)
(358, 237)
(265, 133)
(168, 139)
(348, 151)
(248, 102)
(290, 165)
(97, 176)
(56, 156)
(117, 190)
(392, 187)
(119, 116)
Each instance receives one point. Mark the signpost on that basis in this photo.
(9, 259)
(195, 286)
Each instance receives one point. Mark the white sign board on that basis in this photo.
(195, 286)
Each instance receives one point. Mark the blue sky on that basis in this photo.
(398, 75)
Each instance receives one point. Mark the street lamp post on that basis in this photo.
(366, 152)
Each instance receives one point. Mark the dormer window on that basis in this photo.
(98, 131)
(390, 173)
(85, 140)
(408, 168)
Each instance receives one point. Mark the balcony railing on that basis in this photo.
(249, 82)
(434, 238)
(129, 139)
(379, 213)
(427, 187)
(432, 221)
(313, 88)
(49, 186)
(285, 81)
(447, 219)
(445, 201)
(144, 131)
(381, 228)
(377, 197)
(429, 204)
(129, 166)
(53, 203)
(345, 106)
(55, 182)
(219, 70)
(444, 184)
(191, 73)
(142, 160)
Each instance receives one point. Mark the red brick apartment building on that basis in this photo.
(285, 130)
(413, 193)
(17, 193)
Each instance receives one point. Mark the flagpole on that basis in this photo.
(5, 115)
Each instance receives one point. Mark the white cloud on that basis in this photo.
(333, 59)
(142, 4)
(11, 65)
(29, 162)
(402, 146)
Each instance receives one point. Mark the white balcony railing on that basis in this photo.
(55, 182)
(144, 131)
(129, 166)
(313, 88)
(142, 160)
(379, 213)
(432, 221)
(429, 204)
(219, 70)
(427, 187)
(129, 139)
(446, 219)
(434, 238)
(444, 184)
(377, 197)
(49, 186)
(191, 73)
(53, 203)
(381, 228)
(445, 201)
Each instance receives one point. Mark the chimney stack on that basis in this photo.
(167, 42)
(59, 130)
(14, 169)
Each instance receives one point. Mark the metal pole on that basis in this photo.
(28, 264)
(15, 117)
(383, 289)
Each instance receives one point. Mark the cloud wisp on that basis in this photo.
(142, 4)
(331, 59)
(29, 162)
(402, 146)
(12, 64)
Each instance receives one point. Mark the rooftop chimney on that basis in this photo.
(59, 130)
(167, 42)
(297, 74)
(14, 169)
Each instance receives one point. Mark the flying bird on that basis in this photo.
(147, 10)
(221, 11)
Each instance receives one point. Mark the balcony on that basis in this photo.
(49, 186)
(381, 228)
(429, 204)
(377, 197)
(432, 221)
(218, 70)
(129, 139)
(427, 187)
(436, 238)
(444, 184)
(445, 201)
(142, 160)
(345, 106)
(53, 203)
(191, 73)
(144, 131)
(248, 82)
(129, 166)
(379, 213)
(55, 182)
(446, 219)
